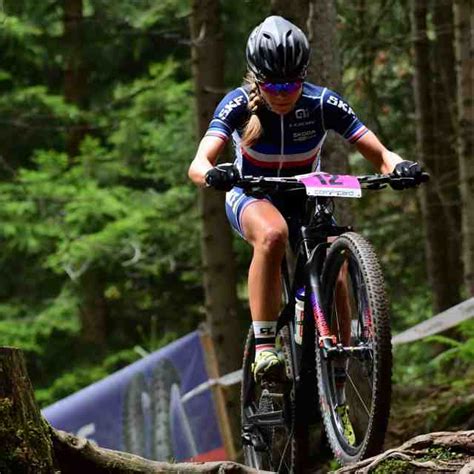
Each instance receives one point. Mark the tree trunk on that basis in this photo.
(29, 445)
(75, 74)
(317, 18)
(219, 273)
(325, 69)
(445, 159)
(93, 309)
(464, 25)
(436, 228)
(25, 445)
(296, 11)
(216, 244)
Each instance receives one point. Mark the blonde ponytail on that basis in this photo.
(253, 128)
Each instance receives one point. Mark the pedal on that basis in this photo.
(253, 439)
(278, 397)
(275, 386)
(271, 418)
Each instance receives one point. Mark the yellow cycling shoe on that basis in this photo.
(267, 362)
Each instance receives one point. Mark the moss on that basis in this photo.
(5, 406)
(398, 466)
(25, 448)
(394, 466)
(441, 454)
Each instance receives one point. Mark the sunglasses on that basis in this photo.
(275, 88)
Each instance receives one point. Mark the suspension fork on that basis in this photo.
(313, 271)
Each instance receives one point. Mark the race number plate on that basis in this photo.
(332, 185)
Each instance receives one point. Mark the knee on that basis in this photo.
(272, 241)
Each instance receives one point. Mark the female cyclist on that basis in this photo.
(278, 124)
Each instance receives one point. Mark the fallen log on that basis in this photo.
(77, 456)
(28, 444)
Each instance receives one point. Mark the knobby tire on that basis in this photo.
(367, 289)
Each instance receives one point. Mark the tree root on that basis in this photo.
(434, 452)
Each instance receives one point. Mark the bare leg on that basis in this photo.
(343, 307)
(342, 329)
(266, 230)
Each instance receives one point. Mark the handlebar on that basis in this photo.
(372, 181)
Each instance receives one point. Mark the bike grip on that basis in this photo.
(425, 177)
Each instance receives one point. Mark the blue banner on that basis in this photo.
(147, 408)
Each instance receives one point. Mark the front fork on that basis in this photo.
(326, 339)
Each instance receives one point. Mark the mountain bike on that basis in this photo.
(333, 335)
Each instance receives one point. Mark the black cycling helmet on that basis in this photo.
(277, 51)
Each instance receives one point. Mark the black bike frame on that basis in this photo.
(311, 253)
(314, 231)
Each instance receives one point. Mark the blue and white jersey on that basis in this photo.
(290, 144)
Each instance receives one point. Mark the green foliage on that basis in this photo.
(45, 335)
(394, 466)
(378, 75)
(458, 352)
(440, 453)
(437, 359)
(123, 208)
(84, 375)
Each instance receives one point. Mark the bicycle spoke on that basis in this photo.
(289, 438)
(338, 335)
(358, 394)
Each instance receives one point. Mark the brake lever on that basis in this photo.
(376, 186)
(410, 180)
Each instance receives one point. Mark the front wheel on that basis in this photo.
(354, 376)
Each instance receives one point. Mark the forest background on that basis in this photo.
(100, 231)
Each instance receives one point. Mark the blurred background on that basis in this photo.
(105, 253)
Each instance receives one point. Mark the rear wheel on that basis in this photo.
(354, 378)
(134, 426)
(165, 379)
(270, 447)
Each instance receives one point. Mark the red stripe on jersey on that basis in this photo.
(214, 133)
(362, 131)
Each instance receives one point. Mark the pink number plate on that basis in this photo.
(332, 185)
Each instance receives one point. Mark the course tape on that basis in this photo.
(226, 380)
(439, 323)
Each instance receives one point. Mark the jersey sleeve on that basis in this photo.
(229, 114)
(338, 115)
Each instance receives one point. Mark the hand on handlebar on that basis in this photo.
(222, 177)
(407, 174)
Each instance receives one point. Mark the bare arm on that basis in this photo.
(372, 149)
(206, 157)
